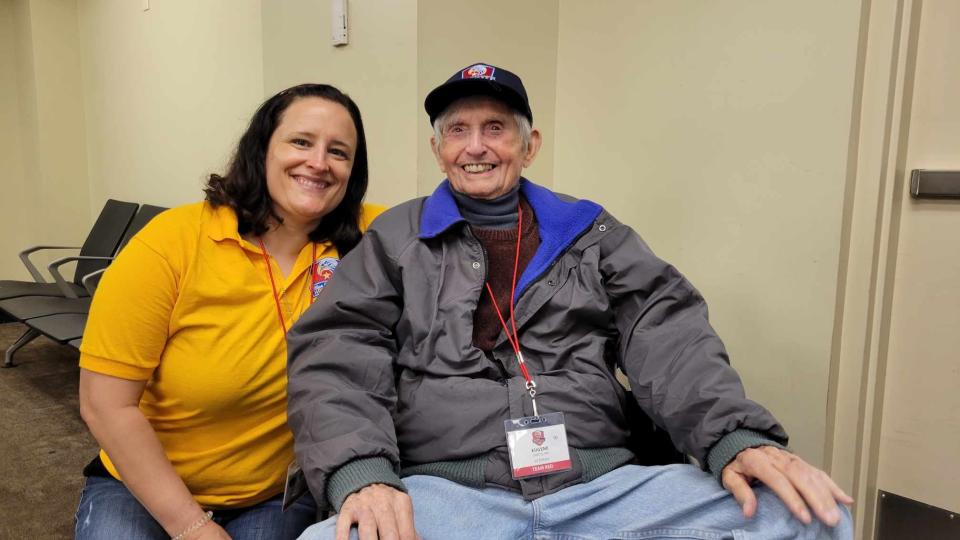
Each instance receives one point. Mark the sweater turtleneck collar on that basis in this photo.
(499, 213)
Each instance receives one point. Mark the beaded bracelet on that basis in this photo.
(194, 526)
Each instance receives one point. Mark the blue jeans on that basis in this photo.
(632, 502)
(108, 511)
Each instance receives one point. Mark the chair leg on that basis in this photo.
(27, 337)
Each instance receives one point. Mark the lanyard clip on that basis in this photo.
(532, 389)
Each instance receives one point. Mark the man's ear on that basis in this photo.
(436, 154)
(533, 148)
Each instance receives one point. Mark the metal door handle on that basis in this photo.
(926, 184)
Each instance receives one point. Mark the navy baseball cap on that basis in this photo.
(479, 80)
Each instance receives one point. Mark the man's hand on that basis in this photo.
(795, 481)
(379, 511)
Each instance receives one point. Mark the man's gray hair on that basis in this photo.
(442, 121)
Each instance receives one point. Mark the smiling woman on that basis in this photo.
(185, 389)
(309, 161)
(285, 138)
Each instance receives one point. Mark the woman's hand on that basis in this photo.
(210, 531)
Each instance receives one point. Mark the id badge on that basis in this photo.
(538, 445)
(295, 485)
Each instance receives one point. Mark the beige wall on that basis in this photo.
(719, 131)
(15, 193)
(519, 36)
(61, 157)
(377, 69)
(167, 93)
(47, 162)
(400, 50)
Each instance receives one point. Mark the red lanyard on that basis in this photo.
(514, 338)
(273, 286)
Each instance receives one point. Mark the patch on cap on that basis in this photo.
(478, 71)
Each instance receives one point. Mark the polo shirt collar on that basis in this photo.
(220, 223)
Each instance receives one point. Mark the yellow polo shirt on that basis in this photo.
(188, 307)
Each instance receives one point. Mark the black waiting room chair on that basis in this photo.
(102, 241)
(63, 317)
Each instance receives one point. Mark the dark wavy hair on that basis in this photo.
(244, 187)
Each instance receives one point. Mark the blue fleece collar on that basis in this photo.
(560, 222)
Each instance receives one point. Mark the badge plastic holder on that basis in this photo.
(537, 445)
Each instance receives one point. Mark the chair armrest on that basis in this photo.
(54, 269)
(92, 280)
(25, 258)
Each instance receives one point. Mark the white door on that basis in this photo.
(919, 450)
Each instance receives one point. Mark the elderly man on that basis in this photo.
(457, 378)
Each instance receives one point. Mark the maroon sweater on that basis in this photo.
(501, 248)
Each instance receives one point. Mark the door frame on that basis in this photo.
(879, 131)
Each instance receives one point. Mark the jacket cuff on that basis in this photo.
(731, 444)
(359, 474)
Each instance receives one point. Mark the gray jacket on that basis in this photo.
(383, 374)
